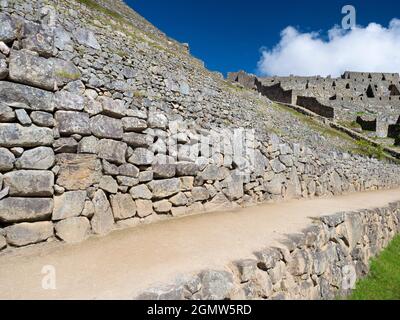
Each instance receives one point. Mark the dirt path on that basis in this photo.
(123, 263)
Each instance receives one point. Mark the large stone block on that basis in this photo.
(72, 122)
(41, 158)
(112, 151)
(73, 230)
(15, 135)
(103, 219)
(142, 157)
(78, 171)
(137, 140)
(106, 127)
(165, 188)
(29, 183)
(7, 160)
(29, 233)
(14, 210)
(123, 206)
(68, 205)
(8, 30)
(28, 97)
(49, 74)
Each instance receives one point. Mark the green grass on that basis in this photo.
(94, 5)
(383, 283)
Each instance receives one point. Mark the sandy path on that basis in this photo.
(121, 264)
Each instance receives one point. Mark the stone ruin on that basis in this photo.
(369, 101)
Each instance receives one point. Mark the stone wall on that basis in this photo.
(103, 127)
(323, 262)
(312, 104)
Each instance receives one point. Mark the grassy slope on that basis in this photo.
(383, 283)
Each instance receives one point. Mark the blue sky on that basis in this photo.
(228, 34)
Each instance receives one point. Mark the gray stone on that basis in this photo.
(15, 135)
(200, 194)
(184, 169)
(14, 210)
(78, 171)
(141, 192)
(103, 219)
(300, 263)
(38, 38)
(8, 31)
(131, 124)
(42, 119)
(142, 157)
(146, 176)
(129, 170)
(137, 140)
(62, 39)
(127, 181)
(88, 209)
(216, 285)
(68, 205)
(41, 158)
(144, 208)
(179, 200)
(7, 114)
(277, 166)
(73, 230)
(27, 183)
(106, 127)
(87, 38)
(3, 69)
(23, 234)
(123, 206)
(108, 184)
(88, 145)
(157, 121)
(164, 171)
(162, 207)
(30, 69)
(234, 186)
(72, 122)
(268, 258)
(31, 98)
(65, 145)
(165, 188)
(247, 270)
(3, 242)
(23, 117)
(213, 172)
(7, 160)
(113, 108)
(275, 186)
(4, 193)
(68, 101)
(110, 169)
(112, 151)
(162, 293)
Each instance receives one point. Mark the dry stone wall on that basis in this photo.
(323, 262)
(102, 128)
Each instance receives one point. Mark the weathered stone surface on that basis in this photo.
(28, 68)
(123, 206)
(41, 158)
(7, 114)
(29, 233)
(164, 171)
(137, 140)
(163, 293)
(8, 31)
(14, 210)
(64, 100)
(106, 127)
(68, 205)
(179, 200)
(129, 170)
(247, 269)
(131, 124)
(78, 171)
(144, 208)
(7, 160)
(71, 122)
(89, 145)
(87, 38)
(141, 192)
(165, 188)
(3, 69)
(142, 157)
(200, 194)
(157, 121)
(15, 135)
(42, 119)
(3, 242)
(234, 186)
(103, 219)
(73, 230)
(213, 172)
(31, 98)
(277, 166)
(23, 117)
(65, 145)
(38, 38)
(187, 183)
(28, 183)
(108, 184)
(162, 207)
(113, 151)
(187, 169)
(275, 185)
(216, 285)
(113, 108)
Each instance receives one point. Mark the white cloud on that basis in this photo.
(371, 49)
